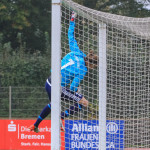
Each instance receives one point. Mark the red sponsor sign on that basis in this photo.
(14, 134)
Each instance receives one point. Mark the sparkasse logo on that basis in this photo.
(11, 127)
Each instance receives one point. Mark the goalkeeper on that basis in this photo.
(74, 67)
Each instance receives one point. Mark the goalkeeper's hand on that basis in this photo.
(73, 16)
(79, 90)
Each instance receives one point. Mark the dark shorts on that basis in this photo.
(66, 94)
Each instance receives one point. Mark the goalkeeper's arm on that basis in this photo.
(72, 41)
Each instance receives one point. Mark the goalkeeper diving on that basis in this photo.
(74, 67)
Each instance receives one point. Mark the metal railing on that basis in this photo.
(22, 102)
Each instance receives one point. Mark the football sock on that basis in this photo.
(75, 108)
(46, 110)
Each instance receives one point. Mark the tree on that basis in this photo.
(29, 17)
(130, 8)
(40, 19)
(14, 13)
(13, 18)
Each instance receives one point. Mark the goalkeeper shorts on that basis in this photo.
(66, 94)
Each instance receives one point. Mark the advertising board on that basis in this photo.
(14, 134)
(83, 134)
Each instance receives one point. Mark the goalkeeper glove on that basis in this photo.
(73, 16)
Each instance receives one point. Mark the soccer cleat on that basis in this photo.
(34, 128)
(62, 128)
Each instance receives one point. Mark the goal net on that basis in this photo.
(118, 90)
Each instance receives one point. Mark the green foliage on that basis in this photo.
(47, 42)
(4, 107)
(31, 18)
(18, 71)
(130, 8)
(14, 13)
(19, 68)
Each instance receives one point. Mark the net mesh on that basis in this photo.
(128, 80)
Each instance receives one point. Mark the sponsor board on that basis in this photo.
(82, 134)
(14, 134)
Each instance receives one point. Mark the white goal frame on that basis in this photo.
(102, 86)
(55, 61)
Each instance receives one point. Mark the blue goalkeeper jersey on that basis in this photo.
(73, 68)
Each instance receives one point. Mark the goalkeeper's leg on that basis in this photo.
(46, 110)
(78, 99)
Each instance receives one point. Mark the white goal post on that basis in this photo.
(118, 90)
(56, 57)
(102, 85)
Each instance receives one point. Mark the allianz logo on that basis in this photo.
(111, 128)
(85, 127)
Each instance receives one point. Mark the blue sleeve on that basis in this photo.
(75, 83)
(72, 42)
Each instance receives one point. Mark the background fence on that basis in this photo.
(22, 102)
